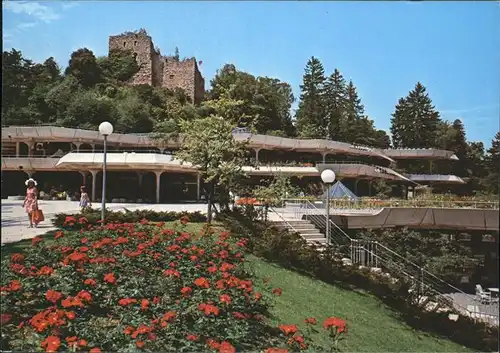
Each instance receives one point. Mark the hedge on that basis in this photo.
(290, 250)
(93, 217)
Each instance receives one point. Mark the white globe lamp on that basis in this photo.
(105, 128)
(328, 176)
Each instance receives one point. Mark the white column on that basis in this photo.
(94, 182)
(77, 144)
(93, 148)
(158, 185)
(17, 149)
(140, 176)
(29, 173)
(370, 188)
(30, 148)
(257, 155)
(198, 187)
(324, 154)
(84, 177)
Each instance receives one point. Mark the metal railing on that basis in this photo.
(428, 290)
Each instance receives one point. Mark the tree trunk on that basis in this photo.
(209, 202)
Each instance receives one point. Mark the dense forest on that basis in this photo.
(92, 89)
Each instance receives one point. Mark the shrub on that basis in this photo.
(291, 250)
(124, 287)
(92, 217)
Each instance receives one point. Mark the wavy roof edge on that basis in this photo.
(257, 140)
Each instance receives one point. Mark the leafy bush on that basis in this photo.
(290, 250)
(93, 217)
(123, 287)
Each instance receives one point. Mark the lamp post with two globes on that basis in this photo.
(105, 129)
(328, 177)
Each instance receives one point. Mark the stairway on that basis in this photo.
(304, 228)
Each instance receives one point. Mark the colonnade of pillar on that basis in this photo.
(140, 176)
(257, 150)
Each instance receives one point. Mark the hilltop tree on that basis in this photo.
(310, 117)
(336, 107)
(261, 103)
(209, 145)
(415, 121)
(493, 165)
(83, 66)
(119, 65)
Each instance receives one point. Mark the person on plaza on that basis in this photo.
(30, 203)
(84, 198)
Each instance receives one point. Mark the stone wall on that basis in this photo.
(142, 46)
(160, 71)
(183, 74)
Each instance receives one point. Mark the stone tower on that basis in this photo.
(157, 70)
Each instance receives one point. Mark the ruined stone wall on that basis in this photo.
(142, 46)
(182, 74)
(160, 71)
(157, 65)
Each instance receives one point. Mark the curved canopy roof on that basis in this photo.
(257, 141)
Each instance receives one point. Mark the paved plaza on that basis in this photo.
(15, 221)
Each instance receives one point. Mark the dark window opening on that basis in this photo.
(171, 77)
(135, 43)
(124, 44)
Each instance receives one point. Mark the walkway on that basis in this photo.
(15, 221)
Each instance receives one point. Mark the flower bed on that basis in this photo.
(126, 287)
(93, 217)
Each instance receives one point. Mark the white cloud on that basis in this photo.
(26, 25)
(34, 9)
(66, 5)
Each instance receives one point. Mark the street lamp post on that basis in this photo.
(105, 129)
(328, 177)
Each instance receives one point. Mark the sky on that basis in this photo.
(453, 48)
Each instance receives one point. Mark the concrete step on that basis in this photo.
(312, 235)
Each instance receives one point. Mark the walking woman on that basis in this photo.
(84, 198)
(30, 203)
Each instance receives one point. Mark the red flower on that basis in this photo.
(17, 258)
(53, 296)
(82, 343)
(193, 338)
(276, 350)
(51, 344)
(224, 298)
(288, 329)
(226, 347)
(5, 318)
(58, 234)
(90, 282)
(185, 291)
(144, 304)
(139, 344)
(277, 291)
(84, 295)
(213, 343)
(172, 272)
(258, 296)
(95, 350)
(208, 309)
(336, 322)
(35, 241)
(311, 321)
(156, 300)
(126, 301)
(128, 330)
(110, 278)
(70, 315)
(169, 316)
(202, 282)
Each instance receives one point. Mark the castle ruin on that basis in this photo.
(157, 70)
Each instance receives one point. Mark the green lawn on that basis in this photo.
(373, 327)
